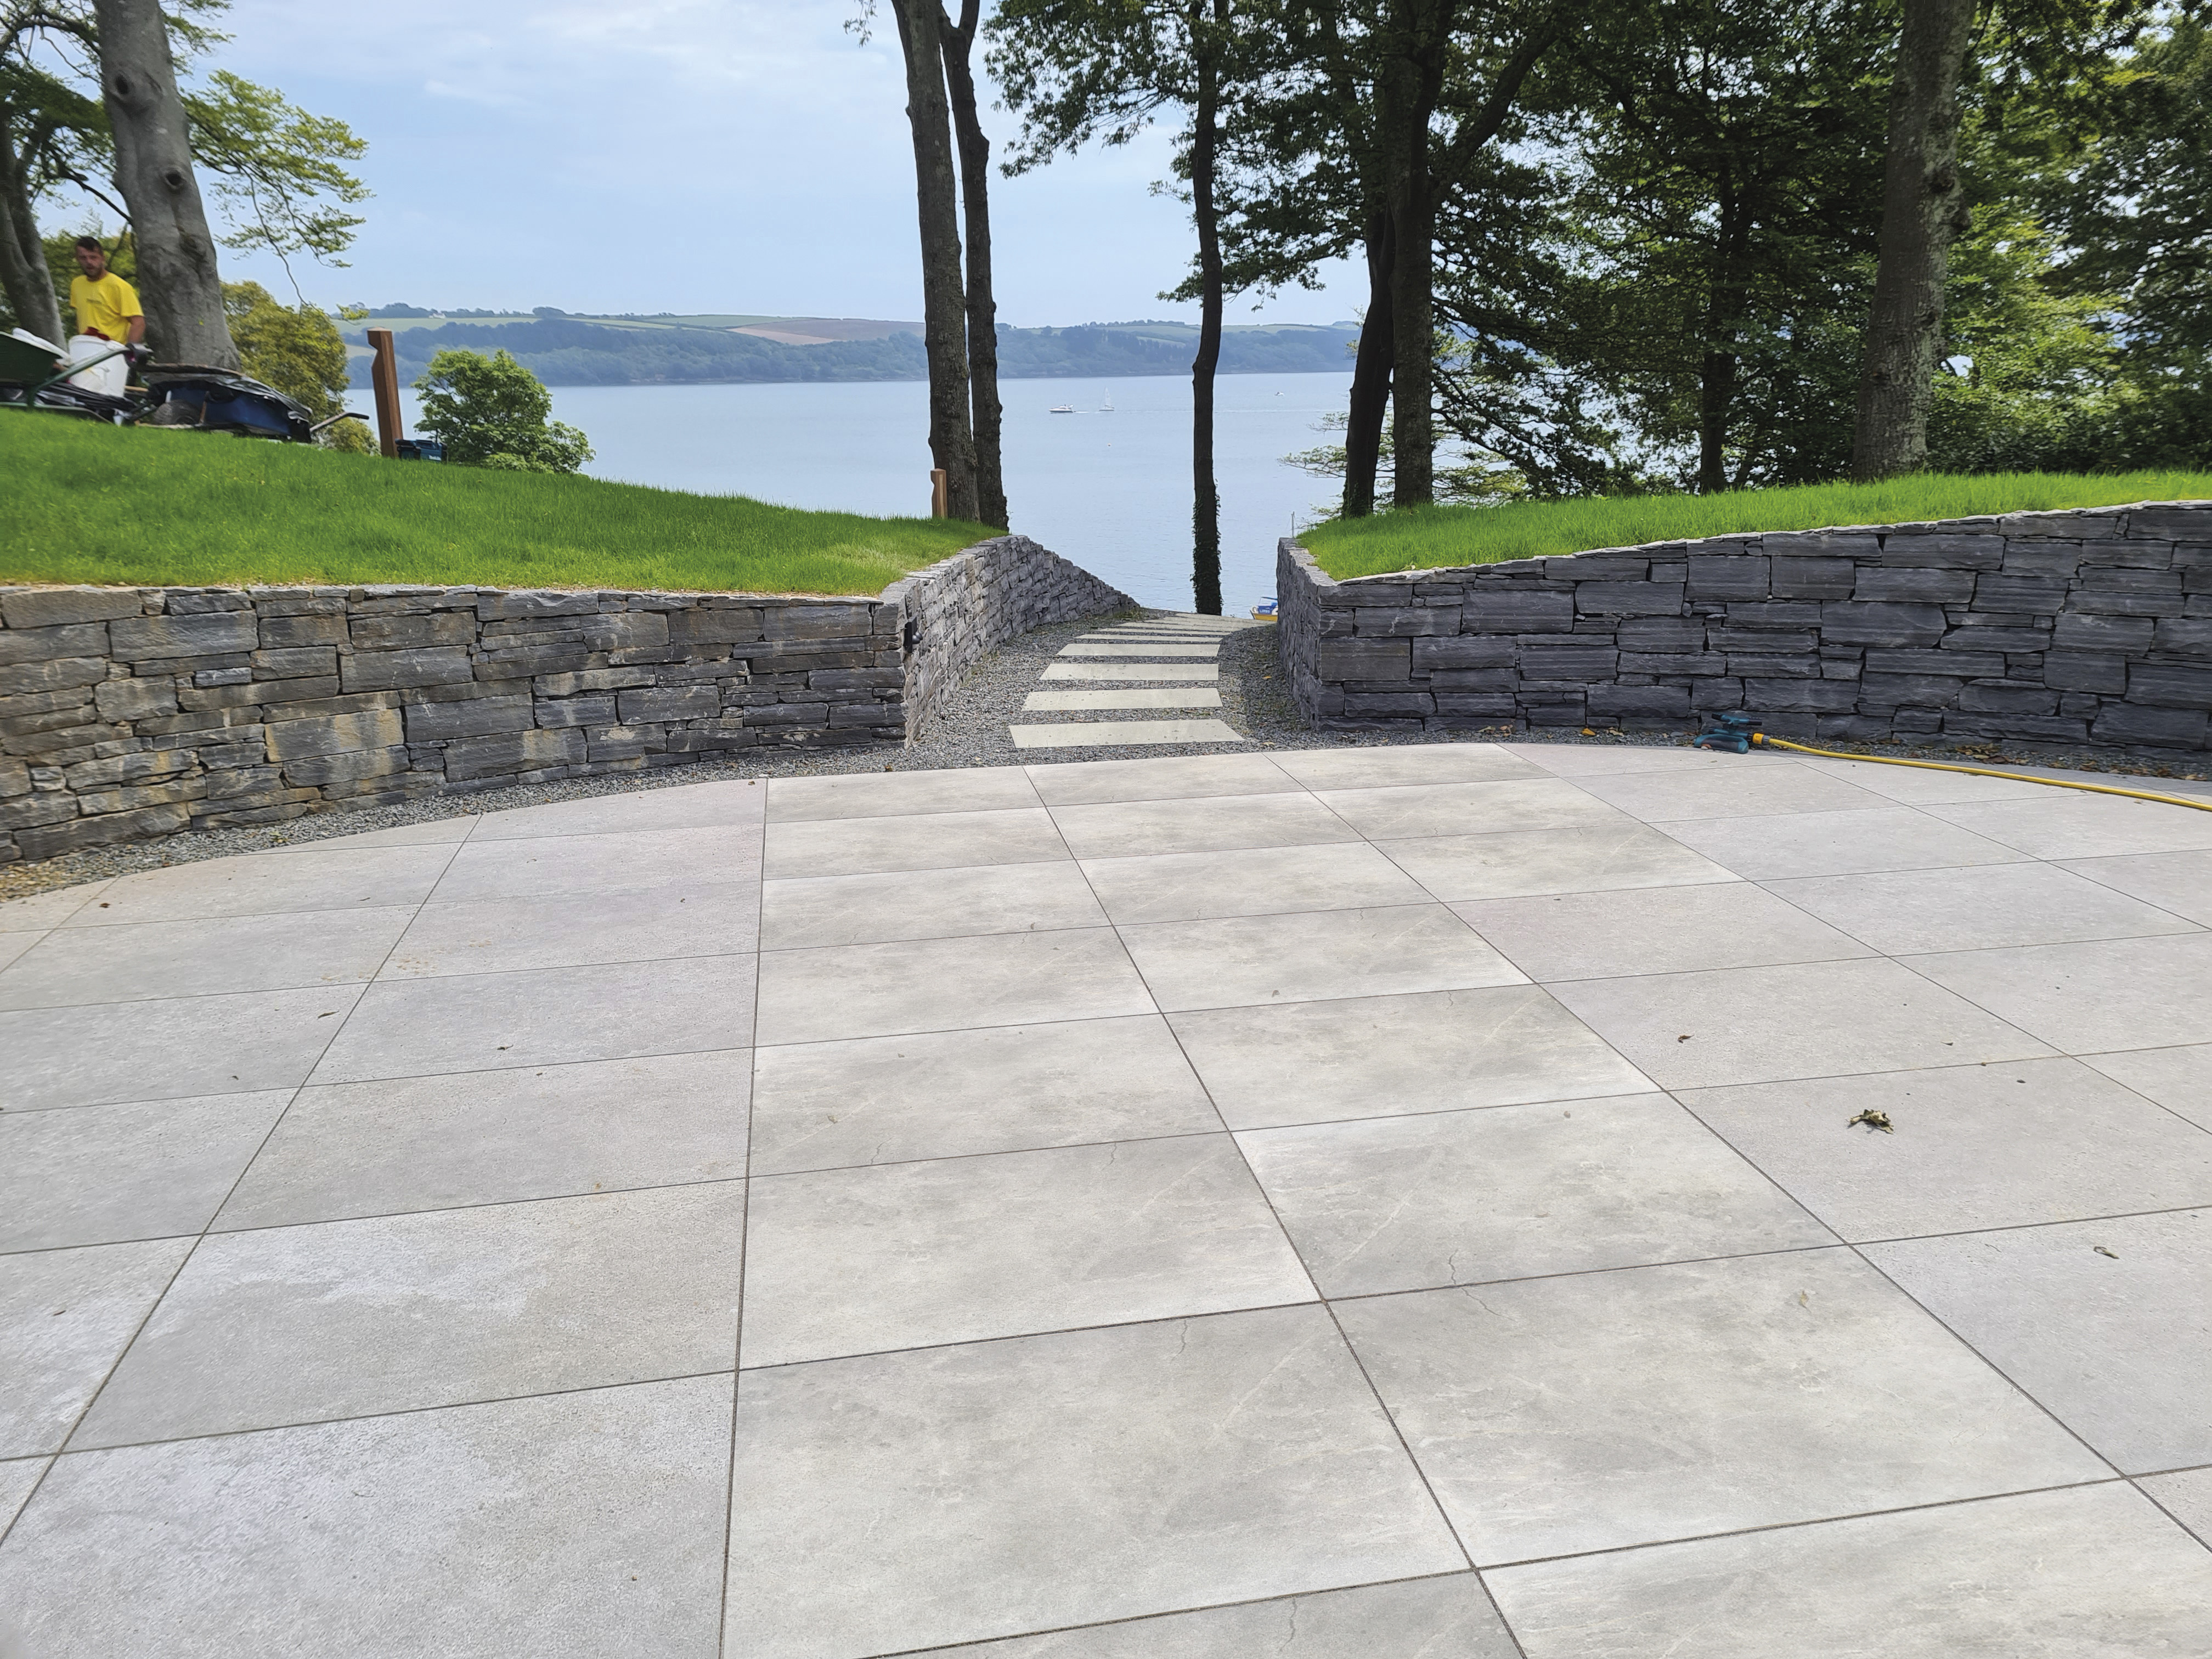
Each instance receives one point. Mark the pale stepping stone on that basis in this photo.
(1139, 650)
(1103, 734)
(1131, 670)
(1143, 696)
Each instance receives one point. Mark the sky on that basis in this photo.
(683, 155)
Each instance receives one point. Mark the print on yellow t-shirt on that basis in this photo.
(105, 307)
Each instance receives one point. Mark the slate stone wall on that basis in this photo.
(129, 713)
(2090, 627)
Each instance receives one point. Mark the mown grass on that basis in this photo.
(87, 503)
(1429, 538)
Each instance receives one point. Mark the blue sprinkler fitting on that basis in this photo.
(1731, 732)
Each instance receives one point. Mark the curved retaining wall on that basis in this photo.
(127, 713)
(2084, 628)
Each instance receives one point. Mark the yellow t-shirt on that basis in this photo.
(105, 306)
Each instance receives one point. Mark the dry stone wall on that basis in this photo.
(2084, 628)
(127, 713)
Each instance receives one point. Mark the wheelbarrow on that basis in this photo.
(34, 374)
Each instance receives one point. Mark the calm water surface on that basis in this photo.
(1110, 491)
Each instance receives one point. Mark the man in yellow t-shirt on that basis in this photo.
(107, 315)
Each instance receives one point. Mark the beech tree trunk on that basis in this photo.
(982, 307)
(1205, 148)
(944, 299)
(1923, 211)
(178, 281)
(24, 277)
(1370, 373)
(1407, 93)
(1722, 367)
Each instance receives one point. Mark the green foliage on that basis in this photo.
(492, 411)
(89, 503)
(279, 171)
(296, 349)
(349, 438)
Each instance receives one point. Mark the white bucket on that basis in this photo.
(110, 377)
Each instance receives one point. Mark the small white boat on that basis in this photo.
(1062, 409)
(1106, 408)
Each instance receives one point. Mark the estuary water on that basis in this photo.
(1110, 491)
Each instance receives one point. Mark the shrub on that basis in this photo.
(492, 411)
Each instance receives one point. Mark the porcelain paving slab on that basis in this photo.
(2115, 993)
(1384, 1056)
(1765, 1025)
(944, 985)
(1077, 783)
(2057, 823)
(76, 966)
(1519, 805)
(1784, 845)
(1911, 786)
(1517, 864)
(1157, 696)
(486, 1022)
(2005, 1578)
(1921, 910)
(2180, 1079)
(1208, 650)
(101, 1175)
(1131, 670)
(1123, 733)
(1660, 797)
(1247, 882)
(292, 1325)
(1246, 961)
(585, 1524)
(630, 861)
(2105, 1322)
(309, 879)
(1398, 766)
(964, 1249)
(1554, 1416)
(1592, 760)
(507, 935)
(65, 1318)
(1972, 1147)
(1001, 898)
(13, 945)
(1208, 824)
(1654, 930)
(898, 794)
(366, 1149)
(926, 841)
(2178, 883)
(41, 911)
(167, 1050)
(738, 801)
(2187, 1497)
(437, 832)
(18, 1477)
(949, 1094)
(1138, 1469)
(1508, 1192)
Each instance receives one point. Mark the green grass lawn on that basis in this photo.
(144, 506)
(1429, 538)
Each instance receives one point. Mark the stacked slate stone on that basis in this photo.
(2090, 627)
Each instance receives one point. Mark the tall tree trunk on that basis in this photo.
(1370, 373)
(982, 307)
(1205, 147)
(24, 277)
(1721, 366)
(1409, 86)
(1923, 210)
(944, 301)
(178, 281)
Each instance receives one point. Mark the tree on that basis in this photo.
(491, 411)
(297, 350)
(40, 116)
(279, 170)
(988, 413)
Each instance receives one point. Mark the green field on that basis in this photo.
(1428, 538)
(146, 507)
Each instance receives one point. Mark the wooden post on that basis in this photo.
(940, 493)
(384, 376)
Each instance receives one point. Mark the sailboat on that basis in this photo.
(1106, 405)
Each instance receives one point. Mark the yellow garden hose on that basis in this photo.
(1760, 740)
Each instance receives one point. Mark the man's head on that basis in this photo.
(91, 256)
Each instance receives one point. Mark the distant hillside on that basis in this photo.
(562, 349)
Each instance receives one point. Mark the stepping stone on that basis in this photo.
(1139, 650)
(1143, 696)
(1132, 671)
(1104, 733)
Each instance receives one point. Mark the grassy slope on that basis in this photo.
(1432, 538)
(84, 503)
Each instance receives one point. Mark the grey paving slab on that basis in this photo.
(1910, 911)
(364, 1149)
(2178, 883)
(929, 841)
(1652, 929)
(999, 898)
(944, 985)
(19, 1476)
(1385, 1056)
(438, 832)
(65, 1318)
(1172, 778)
(2083, 999)
(1206, 824)
(1140, 696)
(484, 1022)
(1139, 650)
(1519, 805)
(167, 1050)
(585, 1524)
(1596, 760)
(637, 860)
(1813, 1019)
(100, 1175)
(13, 945)
(310, 879)
(1838, 843)
(2105, 1322)
(898, 794)
(2056, 823)
(1914, 785)
(41, 911)
(906, 1255)
(2179, 1078)
(1247, 882)
(1554, 1416)
(1515, 864)
(1508, 1192)
(345, 1318)
(1388, 766)
(1131, 670)
(74, 966)
(949, 1094)
(1973, 1147)
(2187, 1497)
(1660, 797)
(1448, 1615)
(1244, 961)
(1092, 735)
(2005, 1578)
(1110, 1474)
(504, 935)
(738, 801)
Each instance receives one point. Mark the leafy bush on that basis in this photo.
(492, 411)
(296, 349)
